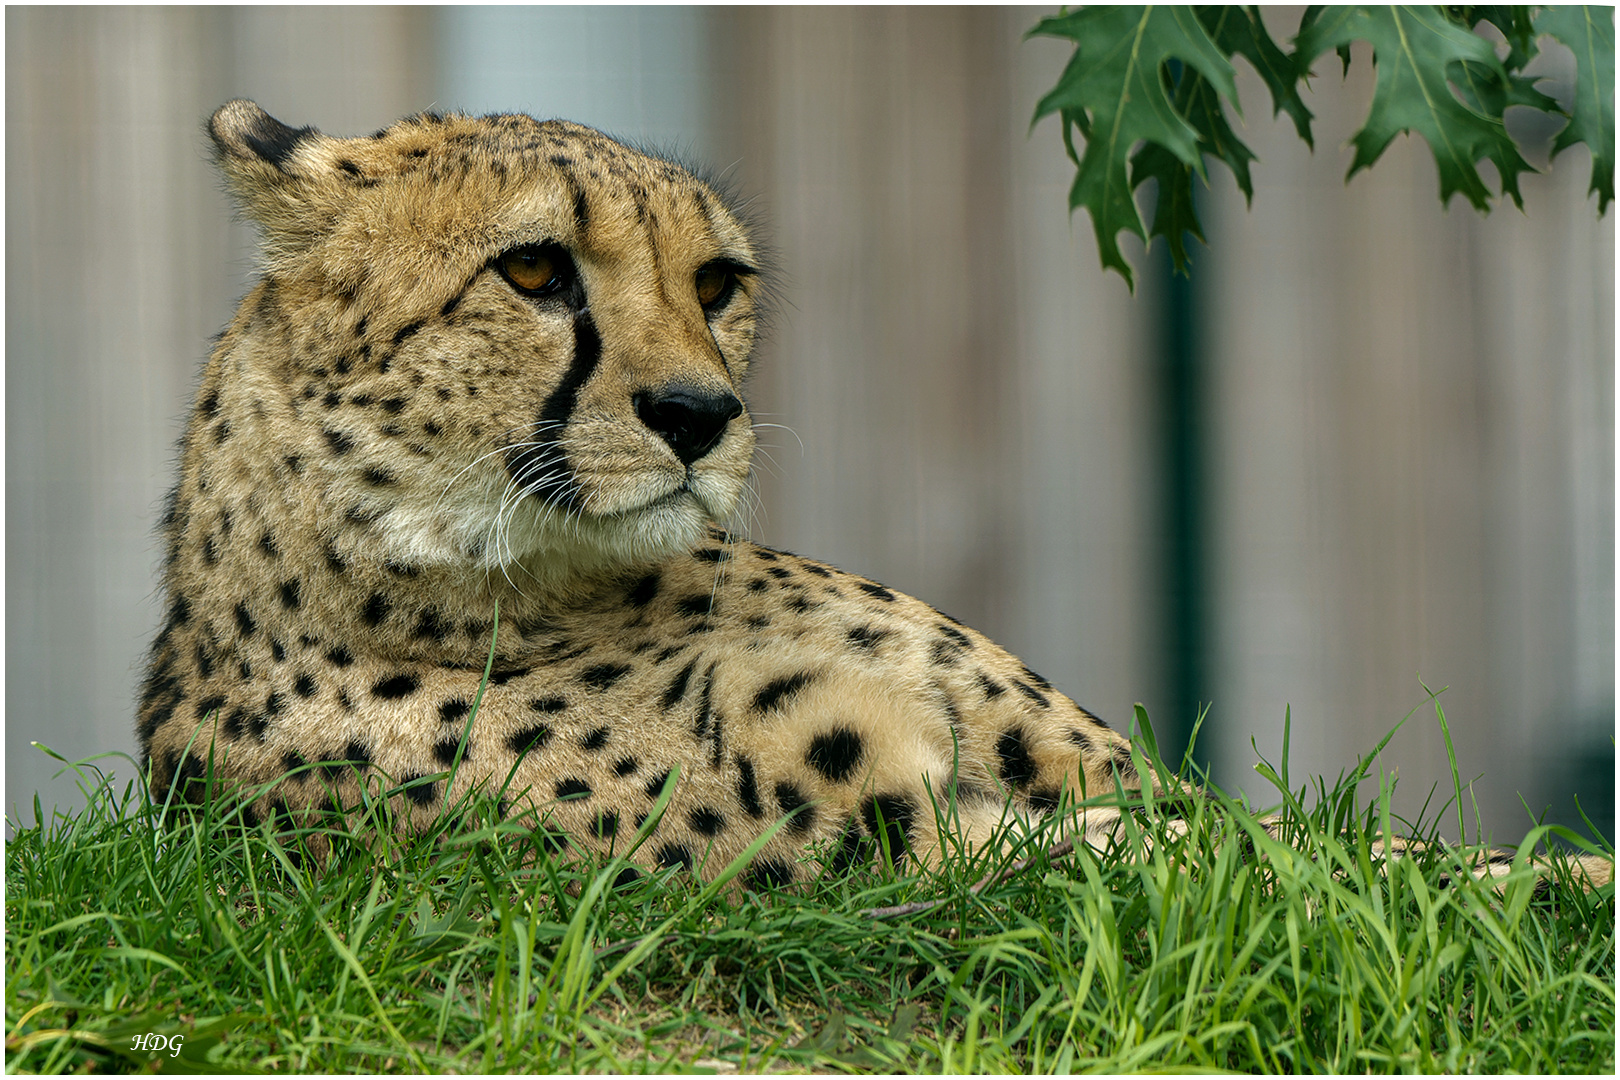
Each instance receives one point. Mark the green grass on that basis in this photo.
(470, 951)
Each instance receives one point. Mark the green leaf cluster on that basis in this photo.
(1148, 86)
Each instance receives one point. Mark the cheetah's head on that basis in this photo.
(507, 343)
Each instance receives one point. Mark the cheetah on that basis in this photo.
(482, 410)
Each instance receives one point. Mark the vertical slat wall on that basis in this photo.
(121, 263)
(1413, 416)
(1410, 413)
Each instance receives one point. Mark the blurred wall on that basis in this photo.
(1409, 417)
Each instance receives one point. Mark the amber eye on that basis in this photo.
(536, 268)
(715, 282)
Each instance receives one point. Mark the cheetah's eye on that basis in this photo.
(536, 269)
(716, 281)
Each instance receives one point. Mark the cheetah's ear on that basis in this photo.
(280, 175)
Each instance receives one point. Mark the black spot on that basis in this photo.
(793, 802)
(209, 704)
(595, 739)
(713, 555)
(1083, 741)
(1030, 692)
(655, 786)
(607, 825)
(773, 692)
(674, 855)
(289, 594)
(992, 689)
(765, 874)
(502, 676)
(1044, 799)
(209, 403)
(445, 750)
(339, 442)
(376, 609)
(394, 406)
(780, 573)
(602, 676)
(222, 432)
(896, 813)
(295, 464)
(1017, 767)
(642, 592)
(549, 705)
(267, 544)
(210, 551)
(431, 625)
(853, 849)
(332, 400)
(291, 762)
(378, 477)
(624, 766)
(277, 653)
(748, 788)
(867, 637)
(205, 663)
(1036, 679)
(530, 738)
(573, 787)
(244, 621)
(812, 568)
(304, 685)
(1121, 757)
(628, 876)
(759, 584)
(700, 604)
(418, 793)
(453, 709)
(677, 689)
(875, 590)
(338, 656)
(405, 332)
(835, 754)
(706, 821)
(395, 686)
(334, 561)
(357, 754)
(944, 653)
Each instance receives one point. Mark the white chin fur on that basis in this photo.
(471, 525)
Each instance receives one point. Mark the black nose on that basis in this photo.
(689, 419)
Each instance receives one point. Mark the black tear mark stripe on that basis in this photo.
(775, 692)
(541, 466)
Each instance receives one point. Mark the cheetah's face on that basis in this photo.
(554, 326)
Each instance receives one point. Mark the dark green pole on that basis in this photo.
(1181, 408)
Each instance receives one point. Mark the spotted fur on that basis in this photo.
(404, 427)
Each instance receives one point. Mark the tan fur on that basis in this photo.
(391, 438)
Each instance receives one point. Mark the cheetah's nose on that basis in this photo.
(690, 420)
